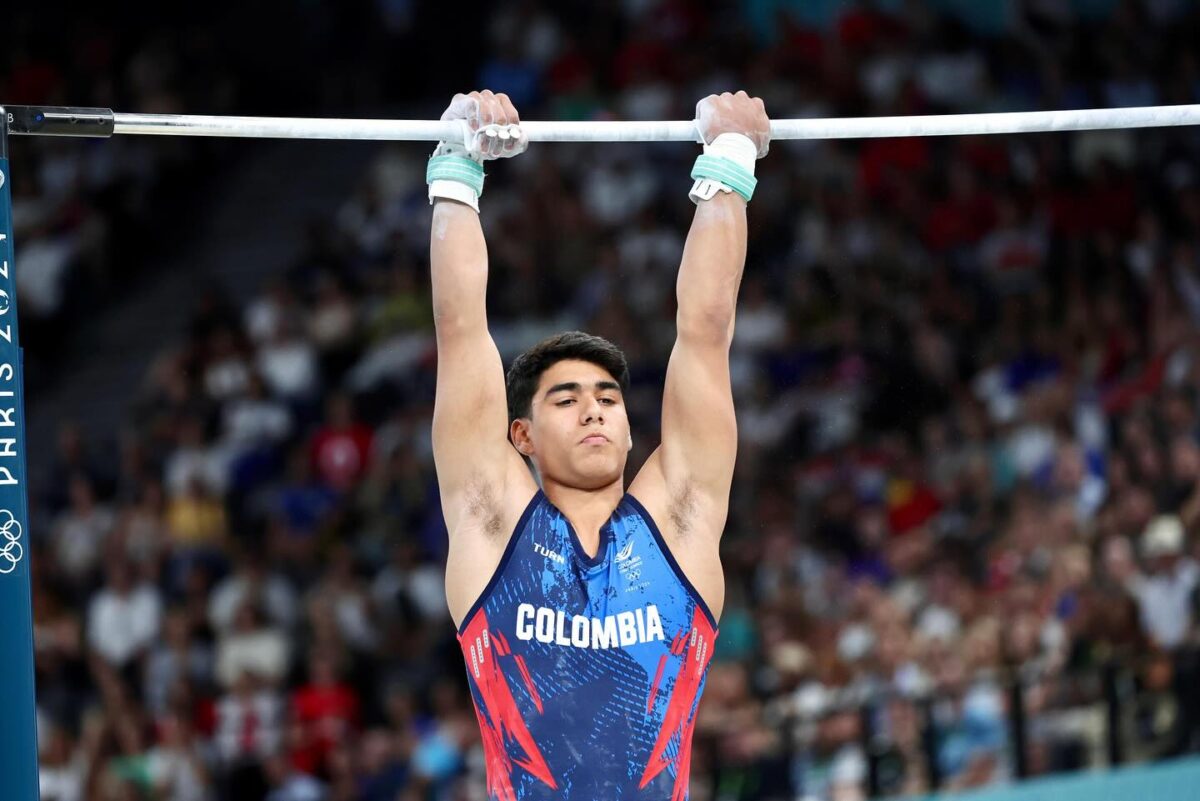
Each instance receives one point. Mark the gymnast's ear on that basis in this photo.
(518, 432)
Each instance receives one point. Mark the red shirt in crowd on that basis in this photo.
(910, 505)
(340, 454)
(325, 714)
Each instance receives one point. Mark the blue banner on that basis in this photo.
(18, 729)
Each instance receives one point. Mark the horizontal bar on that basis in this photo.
(611, 131)
(683, 131)
(59, 121)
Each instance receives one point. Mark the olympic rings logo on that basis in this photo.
(10, 547)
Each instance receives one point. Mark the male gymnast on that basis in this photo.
(587, 612)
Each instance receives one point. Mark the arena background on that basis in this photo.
(966, 372)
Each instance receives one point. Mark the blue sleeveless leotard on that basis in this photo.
(586, 672)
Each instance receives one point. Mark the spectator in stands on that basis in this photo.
(123, 619)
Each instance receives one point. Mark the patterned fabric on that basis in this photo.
(586, 672)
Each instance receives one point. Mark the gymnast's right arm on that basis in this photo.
(473, 457)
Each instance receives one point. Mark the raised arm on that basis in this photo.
(692, 470)
(470, 417)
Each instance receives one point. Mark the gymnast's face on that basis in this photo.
(578, 432)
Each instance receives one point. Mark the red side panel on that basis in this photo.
(500, 721)
(697, 645)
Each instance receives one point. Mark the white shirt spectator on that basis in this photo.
(1032, 448)
(332, 322)
(62, 763)
(289, 368)
(278, 599)
(175, 775)
(248, 725)
(185, 464)
(167, 665)
(939, 623)
(44, 265)
(423, 585)
(1183, 269)
(841, 777)
(227, 378)
(646, 248)
(262, 652)
(120, 625)
(298, 787)
(61, 782)
(262, 319)
(252, 421)
(79, 538)
(760, 326)
(952, 79)
(353, 613)
(1164, 599)
(763, 423)
(883, 76)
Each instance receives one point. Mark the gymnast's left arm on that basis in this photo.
(699, 431)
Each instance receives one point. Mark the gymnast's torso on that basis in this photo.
(586, 672)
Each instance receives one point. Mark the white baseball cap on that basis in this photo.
(1163, 537)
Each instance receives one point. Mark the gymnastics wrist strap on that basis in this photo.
(452, 173)
(727, 166)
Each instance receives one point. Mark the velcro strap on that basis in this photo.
(728, 172)
(455, 168)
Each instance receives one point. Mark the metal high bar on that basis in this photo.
(102, 122)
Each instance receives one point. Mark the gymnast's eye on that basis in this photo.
(565, 402)
(609, 401)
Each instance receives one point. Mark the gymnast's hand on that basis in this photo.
(494, 127)
(734, 113)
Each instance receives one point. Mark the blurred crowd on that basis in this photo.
(967, 375)
(87, 217)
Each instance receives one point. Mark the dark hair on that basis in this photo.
(527, 369)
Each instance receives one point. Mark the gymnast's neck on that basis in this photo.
(587, 509)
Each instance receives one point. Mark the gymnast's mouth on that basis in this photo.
(594, 439)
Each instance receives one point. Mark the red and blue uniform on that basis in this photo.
(586, 671)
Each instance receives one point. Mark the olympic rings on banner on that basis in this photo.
(11, 551)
